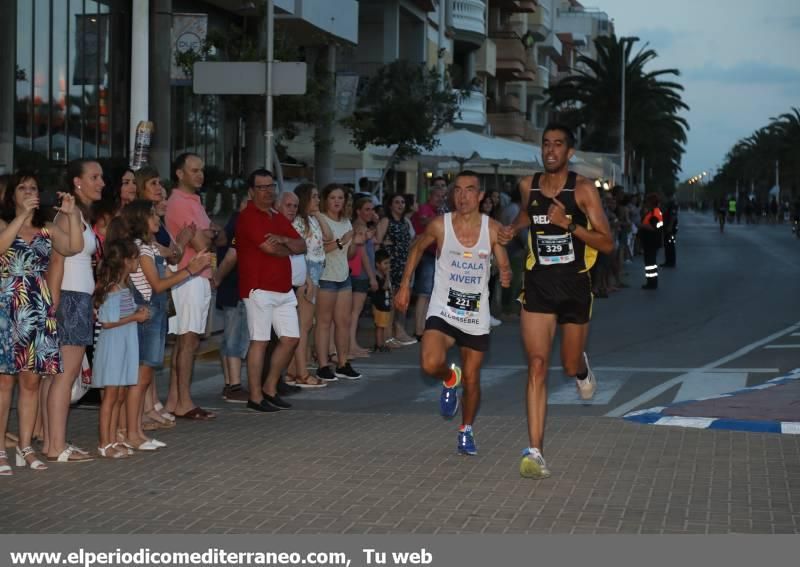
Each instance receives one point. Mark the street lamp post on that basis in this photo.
(269, 30)
(622, 117)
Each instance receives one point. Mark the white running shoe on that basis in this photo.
(495, 322)
(533, 465)
(588, 385)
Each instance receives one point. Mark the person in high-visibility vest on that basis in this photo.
(732, 209)
(651, 235)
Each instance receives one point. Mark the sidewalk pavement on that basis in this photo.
(313, 472)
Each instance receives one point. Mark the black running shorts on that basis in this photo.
(473, 342)
(567, 295)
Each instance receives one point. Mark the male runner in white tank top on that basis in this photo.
(458, 313)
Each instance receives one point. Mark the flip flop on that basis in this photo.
(197, 414)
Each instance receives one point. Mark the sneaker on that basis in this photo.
(407, 341)
(466, 443)
(276, 401)
(448, 399)
(347, 372)
(533, 465)
(588, 385)
(325, 373)
(236, 395)
(225, 390)
(261, 406)
(495, 322)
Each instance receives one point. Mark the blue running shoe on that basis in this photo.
(448, 400)
(466, 442)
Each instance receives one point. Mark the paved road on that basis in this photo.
(373, 456)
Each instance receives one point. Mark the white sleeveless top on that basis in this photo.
(460, 294)
(78, 275)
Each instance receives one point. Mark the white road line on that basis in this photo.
(619, 411)
(782, 346)
(795, 335)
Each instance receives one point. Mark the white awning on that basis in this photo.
(464, 145)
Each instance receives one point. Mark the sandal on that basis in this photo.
(159, 419)
(22, 459)
(111, 452)
(198, 414)
(290, 379)
(309, 381)
(5, 470)
(70, 455)
(159, 408)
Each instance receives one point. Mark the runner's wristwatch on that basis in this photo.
(572, 227)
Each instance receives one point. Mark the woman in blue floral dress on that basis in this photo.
(28, 340)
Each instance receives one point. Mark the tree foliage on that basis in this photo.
(751, 161)
(589, 100)
(403, 105)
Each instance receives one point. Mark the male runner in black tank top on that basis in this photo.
(567, 229)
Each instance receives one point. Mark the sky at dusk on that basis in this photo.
(739, 63)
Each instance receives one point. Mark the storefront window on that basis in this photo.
(67, 77)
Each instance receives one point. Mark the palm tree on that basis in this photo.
(589, 101)
(751, 161)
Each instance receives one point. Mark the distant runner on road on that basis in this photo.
(458, 313)
(567, 229)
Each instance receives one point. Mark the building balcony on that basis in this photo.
(486, 59)
(537, 87)
(508, 125)
(540, 22)
(310, 17)
(517, 5)
(512, 59)
(552, 47)
(469, 20)
(471, 108)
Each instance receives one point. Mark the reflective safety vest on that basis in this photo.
(732, 206)
(654, 218)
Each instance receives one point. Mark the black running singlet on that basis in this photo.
(553, 248)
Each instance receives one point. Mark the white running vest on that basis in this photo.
(460, 294)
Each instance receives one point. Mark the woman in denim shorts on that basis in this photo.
(308, 225)
(335, 300)
(71, 282)
(151, 282)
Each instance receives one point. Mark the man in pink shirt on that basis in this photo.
(423, 277)
(192, 297)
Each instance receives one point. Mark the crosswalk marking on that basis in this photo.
(706, 384)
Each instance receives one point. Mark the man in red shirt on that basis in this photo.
(423, 277)
(264, 241)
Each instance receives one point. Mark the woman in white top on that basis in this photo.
(71, 282)
(335, 298)
(315, 232)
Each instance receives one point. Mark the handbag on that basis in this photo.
(83, 383)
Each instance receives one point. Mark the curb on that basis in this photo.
(656, 416)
